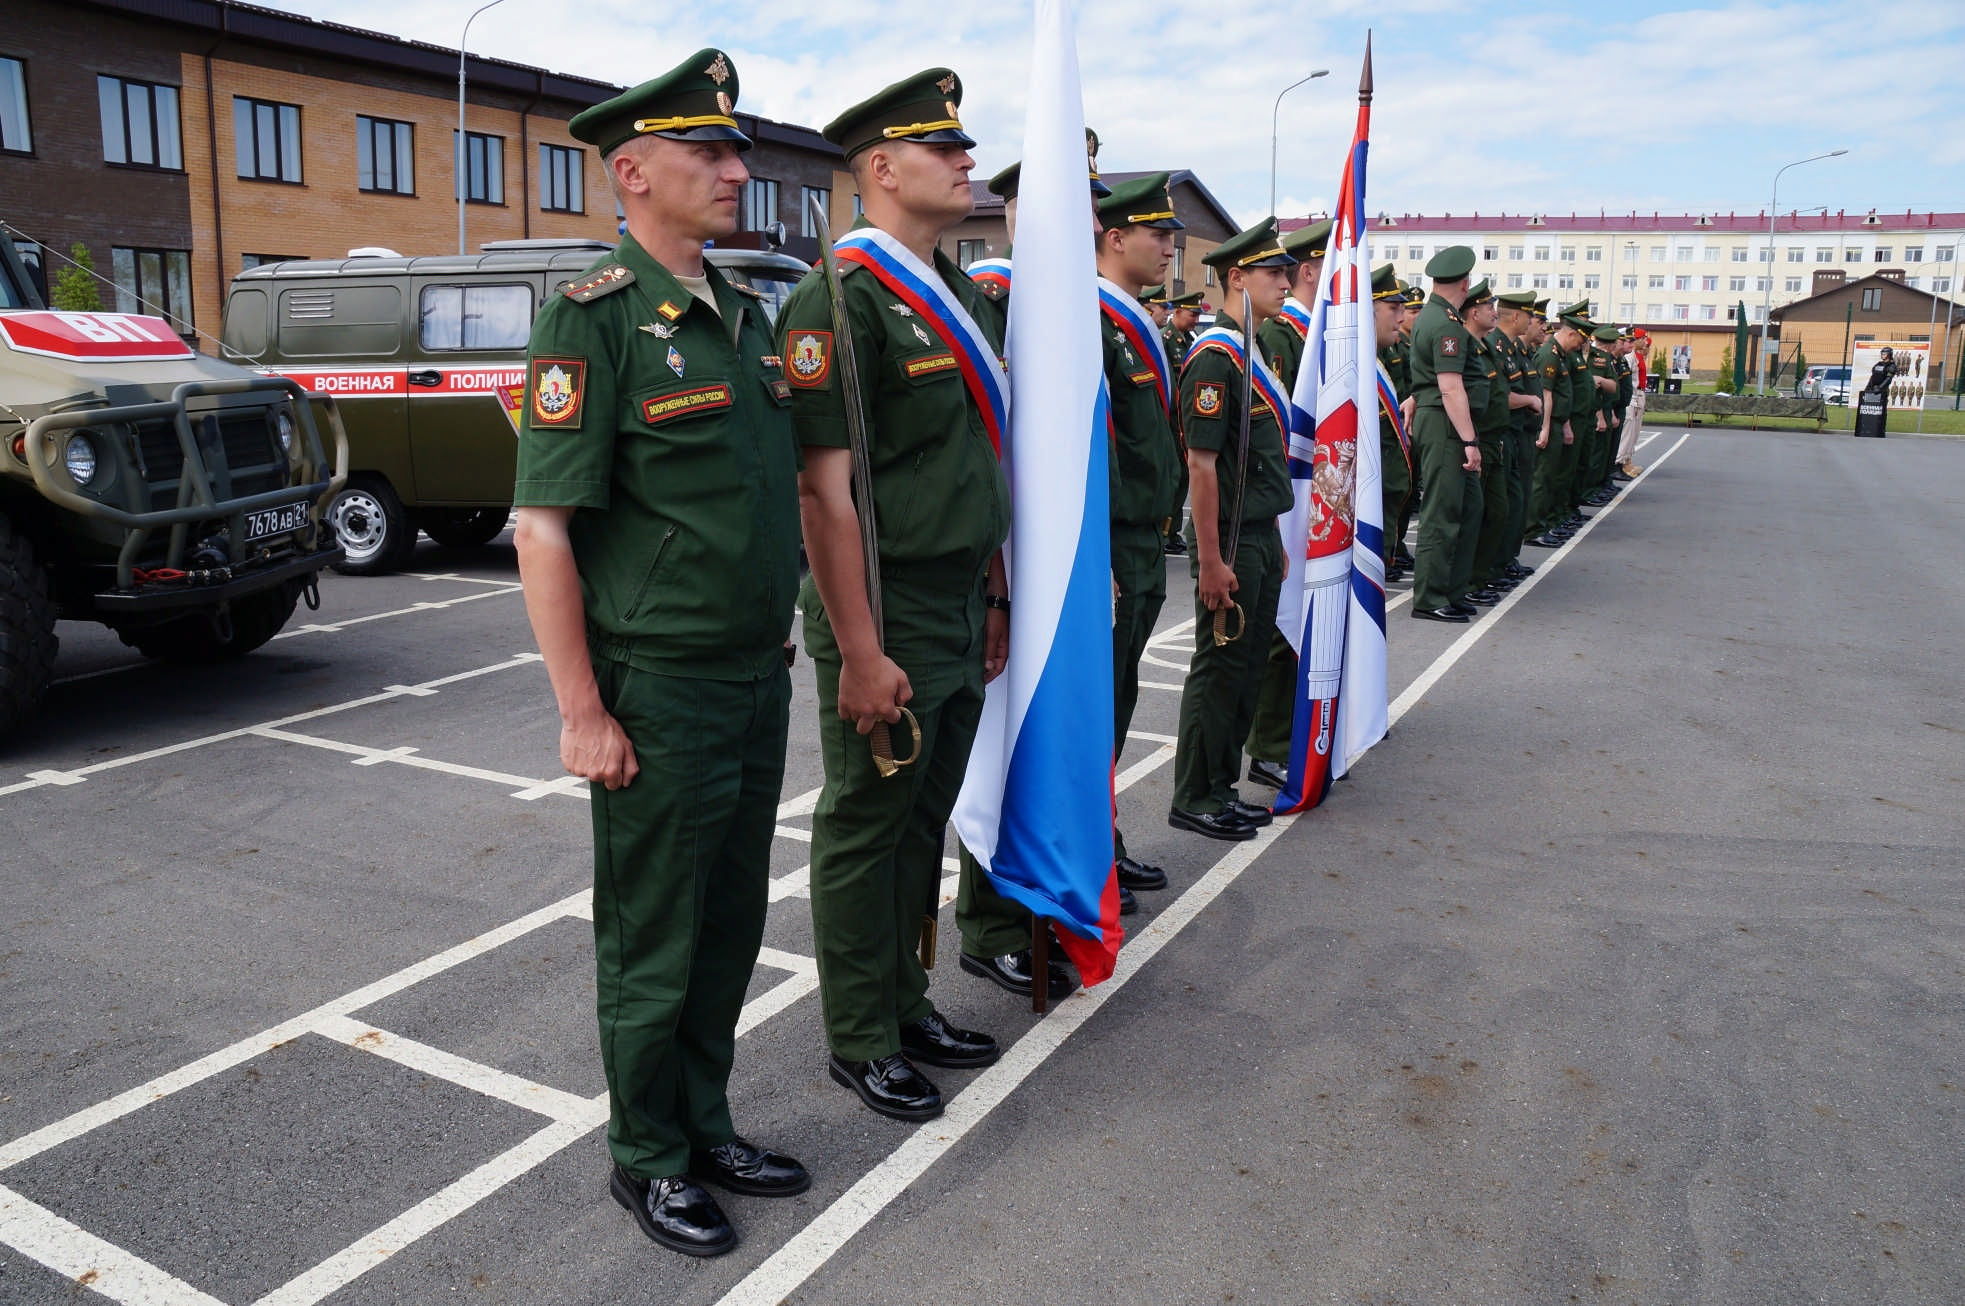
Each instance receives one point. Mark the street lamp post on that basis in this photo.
(1630, 257)
(1767, 302)
(463, 189)
(1274, 118)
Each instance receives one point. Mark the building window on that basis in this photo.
(1873, 299)
(248, 261)
(484, 167)
(1759, 312)
(474, 317)
(266, 139)
(1681, 312)
(1710, 253)
(760, 203)
(139, 124)
(806, 194)
(1766, 253)
(1492, 253)
(154, 281)
(1862, 339)
(1825, 254)
(1655, 282)
(1595, 310)
(1684, 254)
(1736, 283)
(1569, 253)
(1913, 253)
(1883, 253)
(562, 179)
(1179, 270)
(1593, 254)
(969, 251)
(1652, 312)
(15, 138)
(1565, 281)
(1708, 312)
(1541, 253)
(860, 208)
(385, 157)
(1657, 253)
(1592, 281)
(1739, 253)
(1541, 281)
(1709, 283)
(1761, 283)
(1514, 281)
(1515, 253)
(1942, 254)
(1792, 285)
(1914, 283)
(1852, 256)
(1732, 313)
(1796, 254)
(1630, 283)
(1681, 283)
(1941, 284)
(1415, 252)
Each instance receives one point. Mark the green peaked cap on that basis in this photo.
(693, 101)
(925, 108)
(1141, 202)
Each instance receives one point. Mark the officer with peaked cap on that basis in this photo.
(942, 508)
(1447, 442)
(653, 413)
(1395, 453)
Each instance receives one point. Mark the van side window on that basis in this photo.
(475, 317)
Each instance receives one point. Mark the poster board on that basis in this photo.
(1913, 359)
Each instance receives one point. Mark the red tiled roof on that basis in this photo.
(1636, 223)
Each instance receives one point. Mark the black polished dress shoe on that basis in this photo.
(1215, 825)
(933, 1040)
(888, 1085)
(1464, 609)
(1273, 774)
(743, 1167)
(1441, 614)
(1127, 903)
(675, 1212)
(1543, 542)
(1483, 598)
(1254, 815)
(1010, 971)
(1138, 875)
(1520, 570)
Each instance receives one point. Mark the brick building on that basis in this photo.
(985, 233)
(1877, 309)
(184, 140)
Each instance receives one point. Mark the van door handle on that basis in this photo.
(426, 378)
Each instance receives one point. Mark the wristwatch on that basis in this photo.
(997, 601)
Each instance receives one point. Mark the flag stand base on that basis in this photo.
(1040, 964)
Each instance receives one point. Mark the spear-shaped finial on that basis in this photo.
(1364, 81)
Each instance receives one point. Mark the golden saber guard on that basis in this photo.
(1222, 635)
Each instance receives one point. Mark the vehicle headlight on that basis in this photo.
(283, 427)
(79, 456)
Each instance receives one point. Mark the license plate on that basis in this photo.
(268, 522)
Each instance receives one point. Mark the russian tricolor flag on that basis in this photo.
(1036, 805)
(1332, 609)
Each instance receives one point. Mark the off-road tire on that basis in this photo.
(256, 618)
(462, 528)
(373, 528)
(27, 629)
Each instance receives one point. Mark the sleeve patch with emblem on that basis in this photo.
(558, 386)
(1449, 346)
(809, 360)
(682, 403)
(1207, 400)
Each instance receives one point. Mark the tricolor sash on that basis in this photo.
(1388, 403)
(1136, 325)
(993, 273)
(1297, 316)
(1267, 388)
(922, 289)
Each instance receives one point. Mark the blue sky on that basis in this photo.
(1554, 108)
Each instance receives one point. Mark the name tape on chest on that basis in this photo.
(929, 365)
(683, 403)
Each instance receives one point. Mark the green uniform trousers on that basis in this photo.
(1449, 516)
(1395, 491)
(1583, 426)
(1545, 505)
(1489, 545)
(1217, 703)
(682, 862)
(1139, 568)
(877, 849)
(1275, 704)
(1522, 457)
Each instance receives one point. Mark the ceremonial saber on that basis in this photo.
(1221, 632)
(878, 738)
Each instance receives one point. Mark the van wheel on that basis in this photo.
(250, 622)
(462, 528)
(27, 630)
(374, 531)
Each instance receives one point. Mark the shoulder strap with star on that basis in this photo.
(603, 280)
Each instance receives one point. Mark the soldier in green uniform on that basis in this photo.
(1444, 377)
(1282, 339)
(1607, 362)
(1217, 704)
(1157, 307)
(1547, 508)
(1402, 379)
(1179, 332)
(996, 931)
(1583, 415)
(1493, 420)
(1388, 298)
(657, 540)
(941, 506)
(1517, 330)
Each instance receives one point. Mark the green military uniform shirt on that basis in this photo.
(1441, 342)
(1145, 461)
(942, 505)
(1552, 366)
(1210, 420)
(1284, 343)
(1487, 388)
(1397, 356)
(669, 428)
(1582, 390)
(1177, 342)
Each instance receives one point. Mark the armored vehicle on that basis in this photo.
(173, 497)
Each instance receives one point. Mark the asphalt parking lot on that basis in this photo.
(1628, 969)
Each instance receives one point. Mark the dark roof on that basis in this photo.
(988, 204)
(1746, 224)
(257, 25)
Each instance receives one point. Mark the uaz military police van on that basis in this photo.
(426, 360)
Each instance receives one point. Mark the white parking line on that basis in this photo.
(74, 1252)
(432, 605)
